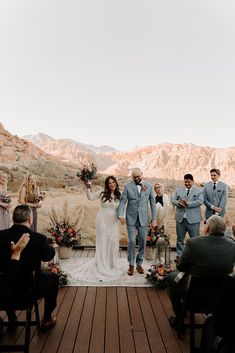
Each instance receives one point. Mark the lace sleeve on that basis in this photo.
(93, 195)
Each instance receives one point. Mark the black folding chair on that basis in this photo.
(20, 303)
(200, 298)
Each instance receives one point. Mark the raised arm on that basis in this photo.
(90, 194)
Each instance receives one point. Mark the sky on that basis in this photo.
(122, 73)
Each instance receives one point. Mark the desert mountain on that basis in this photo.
(19, 156)
(69, 150)
(172, 161)
(167, 161)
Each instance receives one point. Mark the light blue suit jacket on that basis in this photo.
(137, 203)
(217, 197)
(194, 199)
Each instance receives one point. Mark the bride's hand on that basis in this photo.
(122, 220)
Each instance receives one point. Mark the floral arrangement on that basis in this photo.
(6, 199)
(157, 274)
(87, 172)
(41, 196)
(62, 230)
(55, 267)
(154, 233)
(65, 234)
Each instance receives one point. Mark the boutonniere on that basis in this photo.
(144, 188)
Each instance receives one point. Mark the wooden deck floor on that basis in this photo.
(109, 320)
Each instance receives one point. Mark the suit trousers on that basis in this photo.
(181, 230)
(141, 232)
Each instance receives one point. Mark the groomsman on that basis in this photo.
(188, 200)
(215, 195)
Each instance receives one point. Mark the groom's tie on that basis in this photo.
(214, 187)
(188, 192)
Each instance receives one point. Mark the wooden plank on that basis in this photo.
(98, 329)
(91, 253)
(135, 310)
(152, 330)
(125, 326)
(166, 303)
(85, 327)
(77, 253)
(84, 253)
(112, 329)
(165, 330)
(71, 329)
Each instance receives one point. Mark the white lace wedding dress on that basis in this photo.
(106, 265)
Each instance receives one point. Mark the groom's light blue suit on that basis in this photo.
(135, 205)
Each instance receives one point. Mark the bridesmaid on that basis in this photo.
(5, 203)
(30, 195)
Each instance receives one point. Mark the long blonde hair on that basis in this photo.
(31, 190)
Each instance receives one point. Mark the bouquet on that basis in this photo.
(6, 199)
(55, 267)
(87, 172)
(41, 196)
(65, 234)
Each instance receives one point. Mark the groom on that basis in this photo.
(137, 195)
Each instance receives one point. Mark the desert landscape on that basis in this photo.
(55, 164)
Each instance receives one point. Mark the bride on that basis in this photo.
(105, 265)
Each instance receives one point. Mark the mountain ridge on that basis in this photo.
(166, 160)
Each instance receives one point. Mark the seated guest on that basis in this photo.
(13, 270)
(230, 228)
(205, 256)
(37, 250)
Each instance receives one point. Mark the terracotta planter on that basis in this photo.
(64, 252)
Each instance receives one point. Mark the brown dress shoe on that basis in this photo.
(140, 269)
(46, 325)
(130, 271)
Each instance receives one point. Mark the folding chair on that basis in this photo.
(200, 298)
(25, 303)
